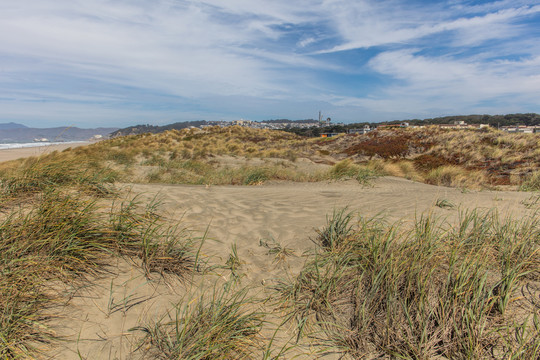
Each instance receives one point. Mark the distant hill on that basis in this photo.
(12, 125)
(154, 129)
(493, 120)
(25, 135)
(528, 119)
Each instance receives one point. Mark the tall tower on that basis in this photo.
(320, 117)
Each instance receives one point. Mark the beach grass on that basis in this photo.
(223, 323)
(217, 156)
(377, 290)
(62, 235)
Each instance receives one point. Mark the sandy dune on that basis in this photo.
(290, 212)
(97, 319)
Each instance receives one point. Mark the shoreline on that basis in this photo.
(24, 152)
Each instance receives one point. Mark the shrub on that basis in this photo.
(385, 147)
(347, 169)
(444, 175)
(428, 162)
(531, 183)
(255, 176)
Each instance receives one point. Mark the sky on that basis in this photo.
(116, 63)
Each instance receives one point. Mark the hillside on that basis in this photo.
(237, 155)
(155, 129)
(11, 125)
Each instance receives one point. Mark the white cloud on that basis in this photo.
(446, 83)
(365, 24)
(182, 50)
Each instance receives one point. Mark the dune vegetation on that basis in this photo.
(61, 225)
(375, 290)
(240, 156)
(370, 289)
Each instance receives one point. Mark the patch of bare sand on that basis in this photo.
(288, 213)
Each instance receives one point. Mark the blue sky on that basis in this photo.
(94, 63)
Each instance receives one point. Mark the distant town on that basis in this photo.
(528, 123)
(310, 124)
(324, 126)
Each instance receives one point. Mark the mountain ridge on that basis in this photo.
(12, 125)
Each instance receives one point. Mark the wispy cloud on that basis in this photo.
(365, 25)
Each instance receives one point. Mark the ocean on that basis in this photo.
(35, 144)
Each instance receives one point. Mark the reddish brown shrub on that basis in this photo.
(427, 162)
(385, 147)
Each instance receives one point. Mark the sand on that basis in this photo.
(14, 154)
(97, 320)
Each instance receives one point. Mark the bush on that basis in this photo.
(347, 169)
(385, 147)
(531, 183)
(255, 176)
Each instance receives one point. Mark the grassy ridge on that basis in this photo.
(233, 155)
(459, 158)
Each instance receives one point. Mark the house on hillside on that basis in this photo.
(521, 129)
(328, 135)
(361, 131)
(242, 122)
(462, 125)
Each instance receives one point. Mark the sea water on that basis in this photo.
(35, 144)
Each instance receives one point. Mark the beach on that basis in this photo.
(24, 152)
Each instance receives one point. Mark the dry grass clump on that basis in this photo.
(346, 169)
(221, 325)
(33, 175)
(531, 182)
(455, 176)
(61, 235)
(377, 291)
